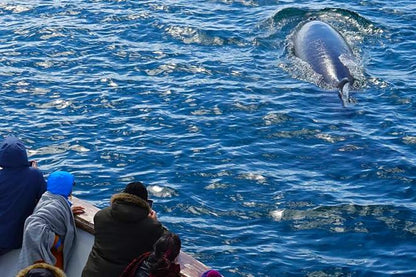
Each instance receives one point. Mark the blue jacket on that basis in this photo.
(21, 186)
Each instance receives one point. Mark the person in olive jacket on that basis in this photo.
(123, 231)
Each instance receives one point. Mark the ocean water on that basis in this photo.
(257, 167)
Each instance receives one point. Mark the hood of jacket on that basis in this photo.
(13, 153)
(60, 182)
(129, 207)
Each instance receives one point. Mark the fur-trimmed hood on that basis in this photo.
(131, 199)
(129, 207)
(56, 271)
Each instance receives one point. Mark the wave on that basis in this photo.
(350, 218)
(194, 35)
(331, 15)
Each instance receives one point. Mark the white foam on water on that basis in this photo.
(277, 215)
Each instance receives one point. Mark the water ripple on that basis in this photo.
(243, 154)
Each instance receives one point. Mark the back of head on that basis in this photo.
(138, 189)
(165, 251)
(168, 246)
(13, 153)
(41, 270)
(60, 182)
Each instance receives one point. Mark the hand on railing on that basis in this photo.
(76, 210)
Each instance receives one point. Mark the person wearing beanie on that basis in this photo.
(21, 186)
(124, 230)
(50, 232)
(211, 273)
(41, 270)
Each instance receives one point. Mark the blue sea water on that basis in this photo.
(260, 170)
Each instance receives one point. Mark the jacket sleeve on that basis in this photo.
(42, 185)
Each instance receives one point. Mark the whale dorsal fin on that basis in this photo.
(342, 83)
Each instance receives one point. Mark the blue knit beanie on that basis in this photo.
(60, 182)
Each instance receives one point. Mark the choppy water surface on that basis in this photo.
(258, 169)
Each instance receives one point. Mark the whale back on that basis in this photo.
(322, 47)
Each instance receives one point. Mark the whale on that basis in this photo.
(323, 48)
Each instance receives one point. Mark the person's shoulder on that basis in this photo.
(155, 225)
(104, 212)
(36, 173)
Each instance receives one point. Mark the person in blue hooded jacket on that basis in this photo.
(21, 186)
(50, 232)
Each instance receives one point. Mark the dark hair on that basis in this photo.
(165, 251)
(138, 189)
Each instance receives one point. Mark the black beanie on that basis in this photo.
(138, 189)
